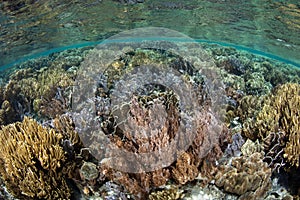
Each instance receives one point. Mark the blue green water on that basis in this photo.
(268, 26)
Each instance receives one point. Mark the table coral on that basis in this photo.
(248, 177)
(32, 161)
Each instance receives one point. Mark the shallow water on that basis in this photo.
(269, 26)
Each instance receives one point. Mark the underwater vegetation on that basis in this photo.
(43, 157)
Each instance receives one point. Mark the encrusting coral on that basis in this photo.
(31, 161)
(248, 177)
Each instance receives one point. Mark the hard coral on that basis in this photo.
(39, 91)
(166, 194)
(149, 121)
(32, 161)
(280, 114)
(248, 177)
(7, 113)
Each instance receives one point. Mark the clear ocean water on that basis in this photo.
(32, 27)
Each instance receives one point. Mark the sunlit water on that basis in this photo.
(265, 25)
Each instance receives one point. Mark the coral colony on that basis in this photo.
(42, 156)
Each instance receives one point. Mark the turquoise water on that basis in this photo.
(32, 28)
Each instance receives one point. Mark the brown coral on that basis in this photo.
(179, 142)
(248, 177)
(280, 114)
(42, 91)
(7, 113)
(32, 161)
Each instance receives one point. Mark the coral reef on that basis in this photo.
(269, 120)
(151, 122)
(44, 92)
(249, 177)
(278, 121)
(32, 160)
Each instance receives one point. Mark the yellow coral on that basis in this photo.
(278, 115)
(281, 113)
(38, 90)
(31, 159)
(166, 194)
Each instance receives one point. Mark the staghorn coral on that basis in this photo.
(248, 177)
(32, 161)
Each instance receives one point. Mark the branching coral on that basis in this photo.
(275, 122)
(248, 177)
(32, 161)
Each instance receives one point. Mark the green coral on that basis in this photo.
(32, 160)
